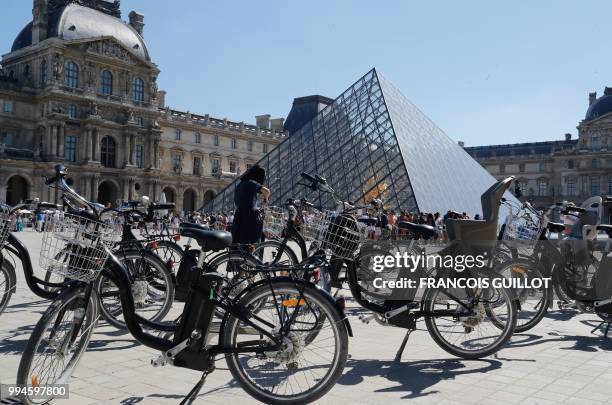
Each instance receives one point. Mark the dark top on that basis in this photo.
(248, 222)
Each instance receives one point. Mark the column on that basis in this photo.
(156, 154)
(126, 188)
(3, 190)
(60, 140)
(126, 150)
(53, 151)
(88, 144)
(47, 142)
(95, 184)
(85, 183)
(96, 146)
(132, 160)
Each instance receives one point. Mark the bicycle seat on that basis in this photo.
(555, 227)
(425, 231)
(207, 239)
(606, 228)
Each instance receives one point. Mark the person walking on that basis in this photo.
(247, 226)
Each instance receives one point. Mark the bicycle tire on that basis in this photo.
(8, 284)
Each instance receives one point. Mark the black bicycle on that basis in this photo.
(279, 352)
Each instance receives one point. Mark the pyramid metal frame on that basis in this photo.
(366, 144)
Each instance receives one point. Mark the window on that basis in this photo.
(232, 167)
(234, 143)
(70, 144)
(108, 149)
(595, 142)
(216, 165)
(197, 165)
(178, 134)
(72, 111)
(198, 137)
(542, 188)
(139, 161)
(138, 90)
(43, 73)
(571, 187)
(107, 83)
(502, 169)
(542, 166)
(140, 122)
(595, 163)
(595, 189)
(72, 74)
(610, 184)
(521, 167)
(8, 107)
(264, 148)
(177, 163)
(7, 138)
(250, 146)
(570, 164)
(216, 140)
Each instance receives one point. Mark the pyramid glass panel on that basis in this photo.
(372, 142)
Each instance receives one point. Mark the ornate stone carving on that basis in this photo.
(154, 89)
(58, 67)
(110, 48)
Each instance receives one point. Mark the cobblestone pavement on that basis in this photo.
(559, 361)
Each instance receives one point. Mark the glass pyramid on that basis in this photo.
(372, 142)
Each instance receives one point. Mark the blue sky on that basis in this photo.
(486, 72)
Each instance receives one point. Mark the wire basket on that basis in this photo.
(7, 223)
(75, 247)
(338, 234)
(312, 224)
(275, 220)
(522, 227)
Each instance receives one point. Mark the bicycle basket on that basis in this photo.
(339, 234)
(75, 247)
(275, 220)
(312, 223)
(7, 223)
(522, 227)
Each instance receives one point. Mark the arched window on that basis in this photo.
(72, 74)
(43, 73)
(108, 149)
(107, 83)
(138, 90)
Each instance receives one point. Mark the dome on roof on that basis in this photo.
(76, 22)
(601, 106)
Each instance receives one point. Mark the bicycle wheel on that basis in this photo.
(55, 347)
(270, 250)
(468, 333)
(297, 372)
(8, 283)
(152, 288)
(169, 252)
(531, 303)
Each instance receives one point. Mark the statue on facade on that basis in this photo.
(58, 67)
(154, 88)
(91, 75)
(131, 116)
(94, 110)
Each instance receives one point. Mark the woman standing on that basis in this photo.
(247, 227)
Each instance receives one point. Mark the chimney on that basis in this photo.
(592, 97)
(568, 137)
(263, 121)
(137, 21)
(461, 143)
(161, 98)
(276, 124)
(39, 21)
(607, 91)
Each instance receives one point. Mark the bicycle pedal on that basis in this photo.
(160, 361)
(366, 319)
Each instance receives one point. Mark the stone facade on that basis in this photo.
(568, 169)
(92, 103)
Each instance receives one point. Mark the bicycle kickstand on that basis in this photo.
(398, 355)
(600, 325)
(193, 394)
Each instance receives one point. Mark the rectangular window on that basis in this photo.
(595, 142)
(570, 164)
(234, 143)
(139, 160)
(7, 138)
(140, 122)
(542, 166)
(502, 169)
(571, 187)
(70, 146)
(216, 140)
(177, 163)
(197, 165)
(250, 146)
(610, 185)
(232, 166)
(521, 167)
(595, 189)
(72, 111)
(8, 107)
(595, 163)
(542, 188)
(198, 137)
(216, 165)
(178, 134)
(264, 148)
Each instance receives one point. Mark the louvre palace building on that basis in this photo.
(566, 169)
(79, 87)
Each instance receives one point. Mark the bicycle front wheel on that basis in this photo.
(304, 367)
(58, 341)
(7, 284)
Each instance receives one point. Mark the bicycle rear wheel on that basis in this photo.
(7, 284)
(298, 371)
(55, 346)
